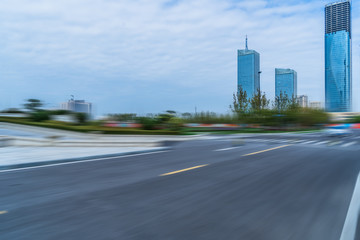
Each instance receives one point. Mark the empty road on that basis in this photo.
(221, 187)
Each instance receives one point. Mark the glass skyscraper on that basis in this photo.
(338, 83)
(248, 71)
(285, 82)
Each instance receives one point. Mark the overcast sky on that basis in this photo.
(148, 56)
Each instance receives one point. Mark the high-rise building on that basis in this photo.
(285, 82)
(303, 101)
(248, 70)
(77, 106)
(338, 83)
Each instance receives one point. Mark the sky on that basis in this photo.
(149, 56)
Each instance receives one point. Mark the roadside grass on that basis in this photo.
(250, 130)
(88, 128)
(93, 127)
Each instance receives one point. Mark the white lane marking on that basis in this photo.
(259, 140)
(308, 142)
(320, 142)
(335, 143)
(348, 144)
(225, 149)
(80, 161)
(351, 220)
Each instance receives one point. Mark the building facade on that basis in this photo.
(285, 82)
(338, 79)
(303, 101)
(77, 106)
(248, 71)
(316, 105)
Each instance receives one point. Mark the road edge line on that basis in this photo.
(351, 220)
(60, 162)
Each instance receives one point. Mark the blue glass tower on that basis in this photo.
(285, 82)
(338, 82)
(248, 71)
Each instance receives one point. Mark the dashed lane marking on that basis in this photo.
(3, 212)
(225, 149)
(318, 143)
(183, 170)
(308, 142)
(335, 143)
(348, 144)
(266, 150)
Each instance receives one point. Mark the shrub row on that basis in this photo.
(86, 128)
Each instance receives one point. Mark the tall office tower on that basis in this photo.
(285, 82)
(248, 70)
(338, 84)
(303, 101)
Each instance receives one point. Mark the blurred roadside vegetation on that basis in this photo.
(284, 112)
(81, 122)
(252, 115)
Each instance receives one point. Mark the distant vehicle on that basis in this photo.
(341, 130)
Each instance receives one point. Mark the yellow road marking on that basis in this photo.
(3, 212)
(183, 170)
(266, 150)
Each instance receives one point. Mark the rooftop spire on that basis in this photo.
(246, 43)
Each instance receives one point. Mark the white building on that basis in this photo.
(303, 101)
(316, 105)
(77, 106)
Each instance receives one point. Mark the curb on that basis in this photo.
(68, 160)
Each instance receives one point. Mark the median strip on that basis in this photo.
(183, 170)
(266, 150)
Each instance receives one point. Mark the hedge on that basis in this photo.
(86, 128)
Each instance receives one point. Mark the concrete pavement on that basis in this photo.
(17, 157)
(22, 146)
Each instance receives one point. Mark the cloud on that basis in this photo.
(139, 54)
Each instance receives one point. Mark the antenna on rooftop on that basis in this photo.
(246, 43)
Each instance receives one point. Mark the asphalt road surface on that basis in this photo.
(224, 187)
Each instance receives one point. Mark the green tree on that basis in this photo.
(122, 117)
(164, 117)
(33, 104)
(259, 101)
(81, 117)
(40, 116)
(281, 102)
(148, 123)
(12, 110)
(171, 112)
(293, 104)
(240, 102)
(186, 115)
